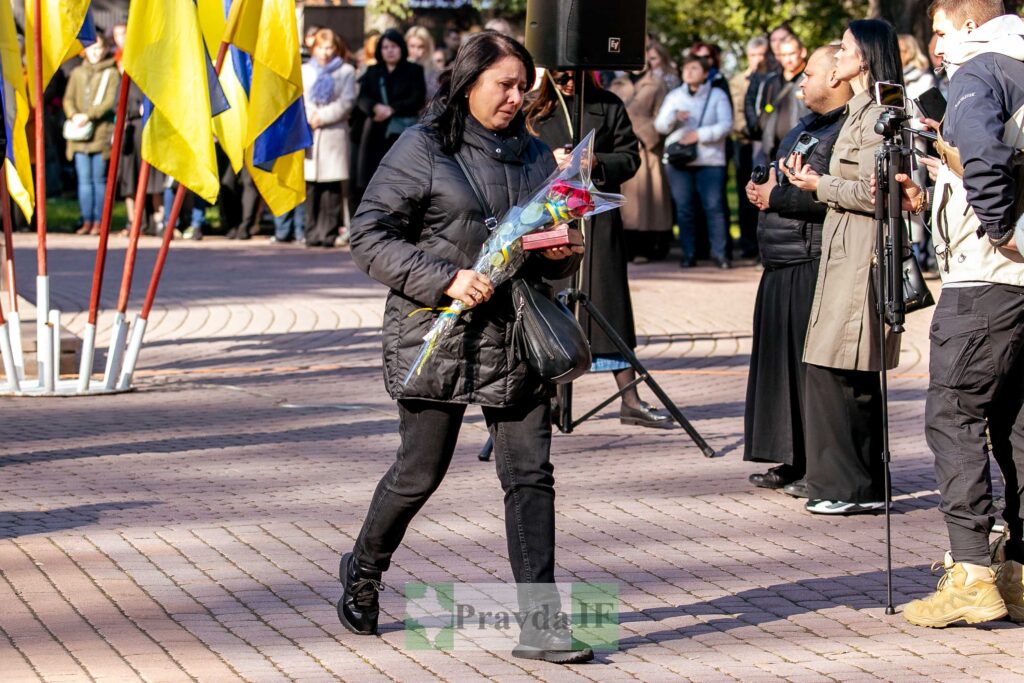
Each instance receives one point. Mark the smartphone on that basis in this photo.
(931, 104)
(890, 95)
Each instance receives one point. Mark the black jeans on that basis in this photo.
(522, 448)
(976, 383)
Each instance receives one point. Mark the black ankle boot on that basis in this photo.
(359, 606)
(551, 640)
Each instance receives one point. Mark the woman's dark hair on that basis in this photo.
(448, 109)
(393, 35)
(694, 59)
(880, 48)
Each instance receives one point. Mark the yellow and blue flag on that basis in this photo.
(13, 97)
(267, 68)
(164, 53)
(66, 26)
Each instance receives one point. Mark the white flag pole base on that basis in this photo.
(54, 320)
(115, 353)
(44, 339)
(14, 327)
(88, 354)
(132, 357)
(8, 353)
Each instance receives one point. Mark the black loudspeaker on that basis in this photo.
(587, 34)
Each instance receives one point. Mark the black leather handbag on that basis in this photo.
(546, 334)
(916, 294)
(680, 156)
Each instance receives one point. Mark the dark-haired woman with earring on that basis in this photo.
(418, 230)
(845, 472)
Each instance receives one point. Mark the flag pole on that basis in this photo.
(119, 330)
(13, 317)
(141, 320)
(5, 349)
(89, 340)
(44, 337)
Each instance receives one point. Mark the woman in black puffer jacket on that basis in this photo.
(418, 230)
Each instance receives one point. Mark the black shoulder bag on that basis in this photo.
(545, 334)
(680, 156)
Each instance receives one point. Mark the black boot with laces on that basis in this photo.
(548, 637)
(359, 606)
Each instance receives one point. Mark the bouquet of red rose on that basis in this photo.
(567, 195)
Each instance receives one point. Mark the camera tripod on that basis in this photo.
(888, 281)
(574, 298)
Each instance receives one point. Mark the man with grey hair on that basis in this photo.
(743, 150)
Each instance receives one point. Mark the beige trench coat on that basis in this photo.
(843, 330)
(648, 206)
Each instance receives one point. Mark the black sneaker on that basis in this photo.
(359, 606)
(552, 642)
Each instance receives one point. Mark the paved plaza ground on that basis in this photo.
(190, 531)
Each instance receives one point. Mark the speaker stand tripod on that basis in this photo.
(574, 298)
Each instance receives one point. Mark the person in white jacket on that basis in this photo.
(330, 94)
(697, 113)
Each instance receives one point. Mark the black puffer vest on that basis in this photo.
(419, 223)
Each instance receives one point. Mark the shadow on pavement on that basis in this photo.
(16, 523)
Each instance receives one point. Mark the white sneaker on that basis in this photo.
(839, 507)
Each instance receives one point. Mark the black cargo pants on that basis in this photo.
(976, 385)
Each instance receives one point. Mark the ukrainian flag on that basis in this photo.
(165, 55)
(267, 71)
(66, 26)
(18, 167)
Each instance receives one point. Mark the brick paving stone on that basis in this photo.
(193, 527)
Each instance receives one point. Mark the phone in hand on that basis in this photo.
(931, 104)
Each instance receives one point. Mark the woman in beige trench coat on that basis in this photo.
(845, 473)
(647, 213)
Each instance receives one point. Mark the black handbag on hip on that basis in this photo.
(545, 334)
(680, 156)
(916, 294)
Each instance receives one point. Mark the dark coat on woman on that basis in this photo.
(419, 223)
(405, 91)
(605, 277)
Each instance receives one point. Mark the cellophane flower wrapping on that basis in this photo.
(567, 195)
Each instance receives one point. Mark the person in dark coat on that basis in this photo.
(789, 238)
(392, 93)
(604, 278)
(419, 230)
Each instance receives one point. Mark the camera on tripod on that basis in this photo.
(893, 98)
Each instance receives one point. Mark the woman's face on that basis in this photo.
(497, 95)
(417, 48)
(96, 51)
(565, 81)
(694, 74)
(848, 58)
(324, 52)
(438, 59)
(390, 52)
(906, 53)
(654, 60)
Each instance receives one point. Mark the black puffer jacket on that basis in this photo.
(789, 233)
(419, 223)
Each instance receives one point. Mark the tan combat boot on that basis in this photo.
(967, 592)
(1010, 582)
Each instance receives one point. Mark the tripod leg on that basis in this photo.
(646, 376)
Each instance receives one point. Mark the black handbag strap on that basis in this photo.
(489, 220)
(707, 101)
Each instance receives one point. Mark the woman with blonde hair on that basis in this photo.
(329, 83)
(421, 51)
